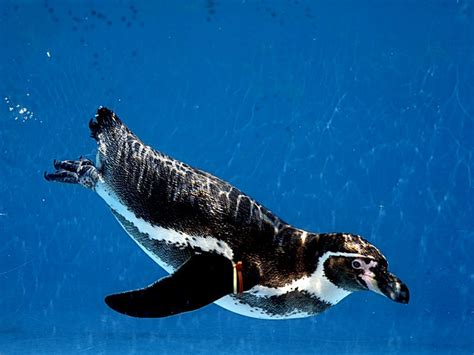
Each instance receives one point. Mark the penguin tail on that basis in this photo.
(116, 144)
(104, 122)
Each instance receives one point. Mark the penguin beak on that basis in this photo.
(388, 285)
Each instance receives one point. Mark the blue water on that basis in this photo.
(338, 116)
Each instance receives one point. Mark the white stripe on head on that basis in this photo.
(322, 287)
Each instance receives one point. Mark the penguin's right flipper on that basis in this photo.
(201, 280)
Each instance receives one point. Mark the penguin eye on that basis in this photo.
(356, 264)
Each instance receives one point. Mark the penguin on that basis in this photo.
(217, 243)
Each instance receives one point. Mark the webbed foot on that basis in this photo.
(80, 171)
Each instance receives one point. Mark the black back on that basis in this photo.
(171, 194)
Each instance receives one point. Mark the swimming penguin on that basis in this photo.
(218, 244)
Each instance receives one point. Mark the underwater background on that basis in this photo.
(354, 116)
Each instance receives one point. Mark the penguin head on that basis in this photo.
(356, 265)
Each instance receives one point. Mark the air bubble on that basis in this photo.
(21, 112)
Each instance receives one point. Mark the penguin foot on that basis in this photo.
(82, 172)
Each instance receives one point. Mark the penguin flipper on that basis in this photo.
(201, 280)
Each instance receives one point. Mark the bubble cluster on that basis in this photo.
(19, 112)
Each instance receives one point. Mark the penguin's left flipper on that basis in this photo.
(201, 280)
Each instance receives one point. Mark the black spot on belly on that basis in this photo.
(286, 304)
(168, 252)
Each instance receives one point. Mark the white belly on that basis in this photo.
(232, 303)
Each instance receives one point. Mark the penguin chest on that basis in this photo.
(250, 304)
(303, 297)
(274, 303)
